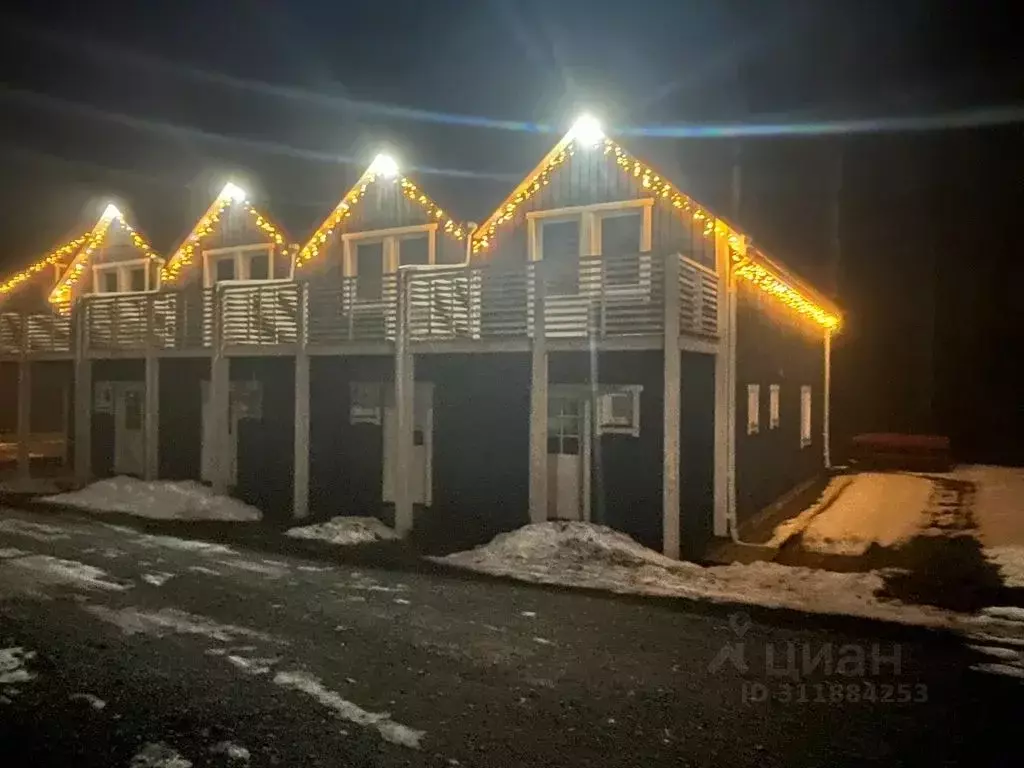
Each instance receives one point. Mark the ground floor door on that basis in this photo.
(421, 461)
(129, 428)
(208, 457)
(569, 451)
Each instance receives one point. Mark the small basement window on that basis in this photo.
(805, 416)
(618, 413)
(773, 406)
(753, 409)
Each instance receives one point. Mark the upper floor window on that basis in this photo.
(370, 256)
(122, 277)
(243, 262)
(618, 232)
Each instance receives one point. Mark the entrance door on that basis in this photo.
(421, 461)
(568, 458)
(129, 428)
(208, 437)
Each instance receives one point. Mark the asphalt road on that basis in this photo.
(119, 648)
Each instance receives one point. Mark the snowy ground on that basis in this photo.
(998, 509)
(346, 531)
(157, 500)
(873, 508)
(585, 555)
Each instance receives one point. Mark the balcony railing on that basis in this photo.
(605, 297)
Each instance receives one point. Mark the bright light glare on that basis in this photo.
(587, 131)
(111, 212)
(384, 165)
(234, 192)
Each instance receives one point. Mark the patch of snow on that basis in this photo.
(34, 571)
(1010, 562)
(389, 730)
(231, 750)
(159, 755)
(346, 531)
(204, 570)
(252, 666)
(1006, 670)
(6, 553)
(181, 545)
(167, 621)
(998, 652)
(30, 530)
(586, 555)
(1007, 612)
(529, 614)
(264, 568)
(157, 579)
(12, 665)
(402, 601)
(94, 701)
(158, 500)
(875, 507)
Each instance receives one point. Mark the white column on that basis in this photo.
(723, 388)
(404, 399)
(671, 421)
(83, 408)
(151, 430)
(220, 399)
(300, 480)
(538, 403)
(826, 428)
(24, 417)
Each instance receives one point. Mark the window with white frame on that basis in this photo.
(753, 409)
(805, 416)
(243, 262)
(619, 232)
(618, 412)
(370, 256)
(365, 405)
(773, 406)
(122, 277)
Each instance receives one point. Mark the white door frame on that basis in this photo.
(129, 444)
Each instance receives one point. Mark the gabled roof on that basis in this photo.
(54, 257)
(749, 263)
(207, 223)
(382, 168)
(111, 216)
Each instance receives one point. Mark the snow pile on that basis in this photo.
(874, 508)
(346, 531)
(157, 500)
(585, 555)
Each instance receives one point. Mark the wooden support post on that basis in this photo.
(151, 430)
(83, 402)
(24, 417)
(404, 399)
(538, 402)
(300, 481)
(671, 422)
(723, 388)
(220, 401)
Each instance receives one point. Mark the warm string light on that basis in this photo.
(54, 257)
(206, 224)
(61, 294)
(344, 209)
(659, 187)
(777, 288)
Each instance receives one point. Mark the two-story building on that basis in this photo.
(601, 348)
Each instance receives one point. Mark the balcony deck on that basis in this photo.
(617, 302)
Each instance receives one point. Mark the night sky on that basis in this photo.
(156, 103)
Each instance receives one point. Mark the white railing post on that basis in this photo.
(404, 408)
(671, 422)
(300, 482)
(538, 402)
